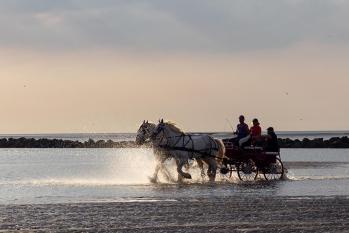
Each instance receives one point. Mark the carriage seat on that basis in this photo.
(253, 148)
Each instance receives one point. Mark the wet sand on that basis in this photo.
(230, 214)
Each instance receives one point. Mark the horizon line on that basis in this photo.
(199, 132)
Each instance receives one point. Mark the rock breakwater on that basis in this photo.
(59, 143)
(335, 142)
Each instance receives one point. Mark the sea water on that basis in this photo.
(117, 137)
(29, 176)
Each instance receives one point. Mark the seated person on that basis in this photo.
(242, 132)
(272, 143)
(256, 132)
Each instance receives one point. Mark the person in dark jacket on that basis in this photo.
(272, 141)
(242, 132)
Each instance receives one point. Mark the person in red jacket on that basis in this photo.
(255, 131)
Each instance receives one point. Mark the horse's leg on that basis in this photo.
(212, 169)
(180, 177)
(187, 166)
(181, 174)
(201, 166)
(154, 178)
(166, 173)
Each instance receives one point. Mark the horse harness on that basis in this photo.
(187, 141)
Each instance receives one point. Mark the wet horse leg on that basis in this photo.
(212, 168)
(154, 178)
(181, 174)
(166, 173)
(201, 166)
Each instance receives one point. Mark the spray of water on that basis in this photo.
(100, 167)
(86, 167)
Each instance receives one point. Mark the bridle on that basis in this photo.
(156, 133)
(146, 132)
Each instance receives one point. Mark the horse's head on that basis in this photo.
(158, 129)
(144, 133)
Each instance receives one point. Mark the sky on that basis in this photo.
(88, 66)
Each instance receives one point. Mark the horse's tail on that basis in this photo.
(221, 150)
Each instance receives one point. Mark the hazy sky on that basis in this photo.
(104, 66)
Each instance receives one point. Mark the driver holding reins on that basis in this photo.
(242, 131)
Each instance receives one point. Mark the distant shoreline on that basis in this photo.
(333, 142)
(282, 132)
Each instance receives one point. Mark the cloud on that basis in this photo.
(222, 26)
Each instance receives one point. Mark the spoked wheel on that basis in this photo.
(275, 171)
(247, 171)
(226, 172)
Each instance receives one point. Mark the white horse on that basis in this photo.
(145, 131)
(181, 146)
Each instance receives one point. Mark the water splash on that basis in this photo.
(84, 167)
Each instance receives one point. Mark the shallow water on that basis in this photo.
(42, 176)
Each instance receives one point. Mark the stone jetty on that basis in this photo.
(59, 143)
(336, 142)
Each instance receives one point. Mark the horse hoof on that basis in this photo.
(212, 178)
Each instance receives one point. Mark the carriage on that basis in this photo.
(250, 162)
(169, 141)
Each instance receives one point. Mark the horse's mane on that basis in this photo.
(173, 126)
(151, 123)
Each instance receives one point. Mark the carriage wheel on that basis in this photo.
(275, 171)
(247, 171)
(226, 172)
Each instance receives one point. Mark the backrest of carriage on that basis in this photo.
(229, 146)
(258, 154)
(231, 150)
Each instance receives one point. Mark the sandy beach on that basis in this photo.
(238, 214)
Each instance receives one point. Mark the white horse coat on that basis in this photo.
(144, 134)
(182, 147)
(197, 146)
